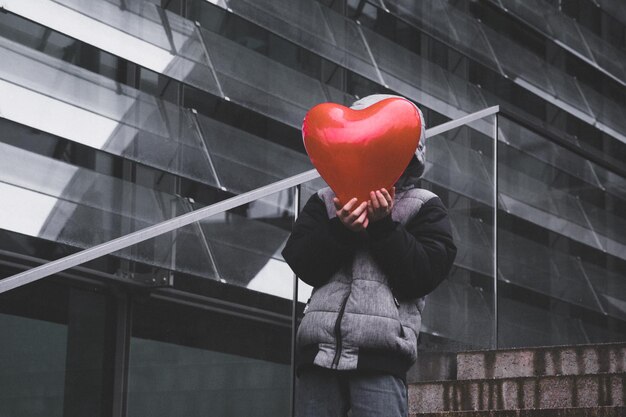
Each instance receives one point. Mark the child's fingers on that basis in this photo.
(361, 219)
(345, 210)
(382, 201)
(387, 196)
(357, 212)
(374, 200)
(337, 203)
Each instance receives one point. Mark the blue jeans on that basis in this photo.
(323, 392)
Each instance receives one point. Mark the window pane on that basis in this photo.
(199, 362)
(53, 355)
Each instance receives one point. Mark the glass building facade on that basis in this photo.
(118, 115)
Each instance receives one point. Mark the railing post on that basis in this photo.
(495, 231)
(294, 312)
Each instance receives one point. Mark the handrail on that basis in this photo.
(169, 225)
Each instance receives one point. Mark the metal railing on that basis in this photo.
(142, 235)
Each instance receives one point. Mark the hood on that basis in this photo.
(416, 166)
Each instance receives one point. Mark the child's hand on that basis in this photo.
(357, 219)
(380, 204)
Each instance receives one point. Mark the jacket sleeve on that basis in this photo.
(318, 246)
(416, 257)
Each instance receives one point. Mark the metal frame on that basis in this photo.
(495, 232)
(294, 313)
(142, 235)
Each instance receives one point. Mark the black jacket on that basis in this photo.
(416, 257)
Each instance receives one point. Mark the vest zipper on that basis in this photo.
(338, 331)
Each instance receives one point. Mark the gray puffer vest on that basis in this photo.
(356, 310)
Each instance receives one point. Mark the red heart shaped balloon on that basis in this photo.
(358, 151)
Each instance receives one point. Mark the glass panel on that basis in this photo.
(447, 24)
(610, 288)
(562, 211)
(307, 16)
(545, 187)
(460, 311)
(607, 111)
(150, 130)
(452, 163)
(421, 80)
(348, 39)
(64, 182)
(240, 247)
(52, 200)
(614, 8)
(547, 294)
(244, 162)
(528, 323)
(81, 106)
(135, 31)
(140, 20)
(529, 11)
(83, 89)
(311, 26)
(520, 63)
(609, 226)
(568, 93)
(566, 30)
(77, 207)
(531, 143)
(473, 239)
(568, 33)
(553, 222)
(409, 67)
(522, 260)
(261, 84)
(613, 183)
(522, 66)
(469, 96)
(607, 56)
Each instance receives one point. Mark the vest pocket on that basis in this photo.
(410, 316)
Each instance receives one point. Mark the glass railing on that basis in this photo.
(238, 240)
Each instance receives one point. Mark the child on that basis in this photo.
(371, 267)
